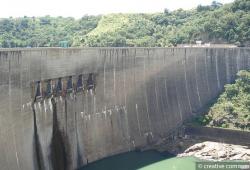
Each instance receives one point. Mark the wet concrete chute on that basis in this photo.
(63, 108)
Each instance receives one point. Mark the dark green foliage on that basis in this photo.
(232, 109)
(43, 31)
(215, 23)
(231, 91)
(202, 120)
(243, 5)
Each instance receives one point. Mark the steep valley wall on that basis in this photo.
(104, 100)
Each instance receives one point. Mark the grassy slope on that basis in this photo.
(120, 30)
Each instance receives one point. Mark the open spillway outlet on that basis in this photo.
(63, 86)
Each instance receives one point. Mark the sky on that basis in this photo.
(79, 8)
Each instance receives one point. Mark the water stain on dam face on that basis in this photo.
(38, 158)
(59, 144)
(79, 155)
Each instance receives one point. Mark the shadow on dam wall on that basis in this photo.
(59, 144)
(38, 159)
(90, 103)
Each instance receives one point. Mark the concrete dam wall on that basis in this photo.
(63, 108)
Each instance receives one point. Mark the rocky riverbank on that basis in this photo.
(215, 151)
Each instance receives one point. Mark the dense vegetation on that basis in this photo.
(215, 23)
(43, 31)
(232, 110)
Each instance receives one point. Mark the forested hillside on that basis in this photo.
(43, 31)
(232, 109)
(215, 23)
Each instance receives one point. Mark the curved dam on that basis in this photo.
(61, 109)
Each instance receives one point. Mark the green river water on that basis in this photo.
(148, 160)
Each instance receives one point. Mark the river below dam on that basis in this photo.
(147, 160)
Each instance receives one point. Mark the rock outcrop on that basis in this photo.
(217, 151)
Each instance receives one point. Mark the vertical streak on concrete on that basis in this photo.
(9, 92)
(155, 84)
(86, 108)
(166, 93)
(138, 121)
(227, 66)
(187, 92)
(165, 87)
(136, 95)
(94, 103)
(11, 112)
(124, 52)
(2, 135)
(237, 60)
(156, 94)
(79, 157)
(50, 106)
(176, 93)
(196, 82)
(114, 65)
(248, 59)
(38, 155)
(162, 90)
(66, 116)
(245, 60)
(206, 70)
(178, 103)
(127, 128)
(47, 137)
(21, 87)
(15, 147)
(217, 70)
(45, 110)
(145, 92)
(157, 98)
(124, 78)
(92, 97)
(104, 75)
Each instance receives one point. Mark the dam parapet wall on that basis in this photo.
(63, 108)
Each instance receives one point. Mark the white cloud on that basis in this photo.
(78, 8)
